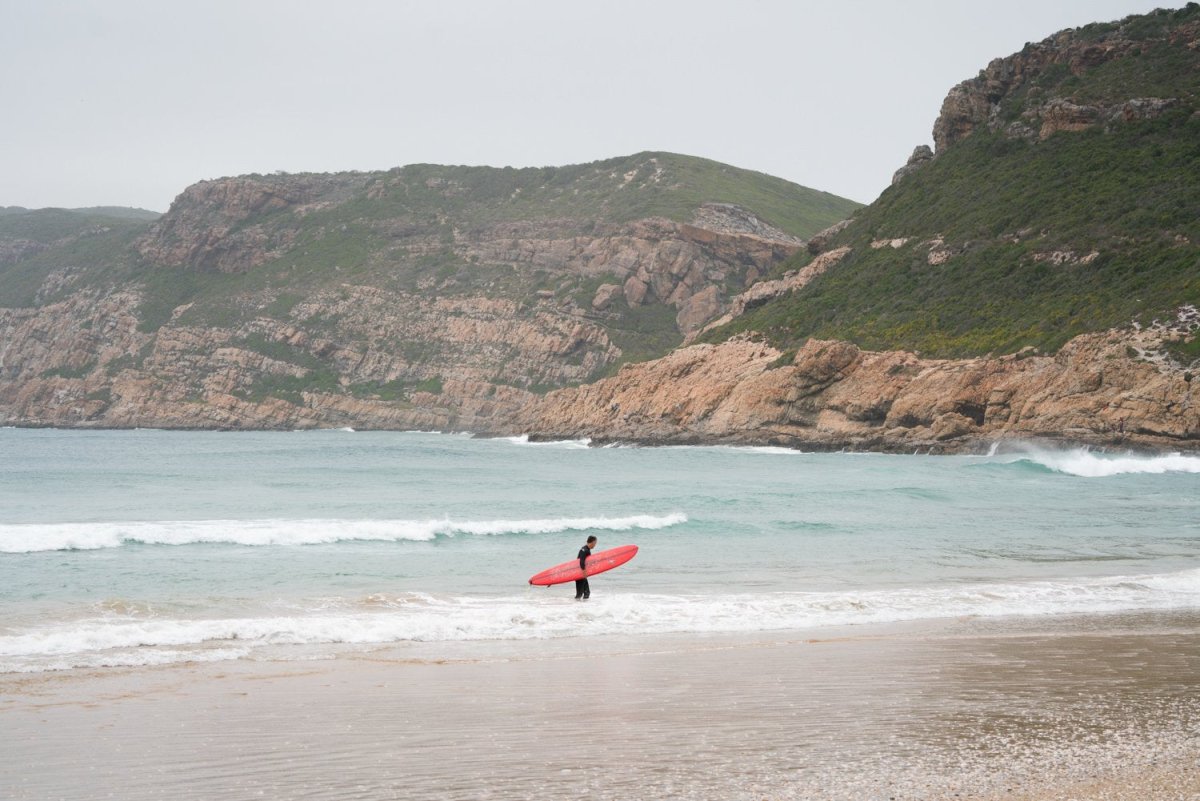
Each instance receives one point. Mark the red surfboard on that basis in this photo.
(598, 562)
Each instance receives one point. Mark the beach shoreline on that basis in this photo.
(1097, 707)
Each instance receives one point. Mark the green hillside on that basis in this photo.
(48, 226)
(35, 243)
(1043, 239)
(652, 184)
(615, 191)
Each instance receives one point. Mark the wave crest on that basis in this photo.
(1089, 464)
(36, 537)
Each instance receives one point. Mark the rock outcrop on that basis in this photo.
(1100, 389)
(653, 260)
(921, 155)
(980, 102)
(223, 225)
(765, 291)
(83, 362)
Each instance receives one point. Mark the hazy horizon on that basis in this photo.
(127, 103)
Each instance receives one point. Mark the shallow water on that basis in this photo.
(151, 547)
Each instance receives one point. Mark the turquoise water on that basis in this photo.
(147, 547)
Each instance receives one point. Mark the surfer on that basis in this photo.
(582, 590)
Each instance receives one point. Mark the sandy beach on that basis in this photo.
(1091, 708)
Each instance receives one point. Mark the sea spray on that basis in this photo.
(1090, 464)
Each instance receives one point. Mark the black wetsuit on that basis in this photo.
(582, 590)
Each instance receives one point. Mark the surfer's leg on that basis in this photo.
(587, 589)
(580, 588)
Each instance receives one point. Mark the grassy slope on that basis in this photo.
(50, 225)
(616, 190)
(92, 241)
(1132, 194)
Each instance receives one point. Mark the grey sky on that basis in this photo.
(126, 103)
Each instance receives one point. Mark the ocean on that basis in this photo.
(141, 548)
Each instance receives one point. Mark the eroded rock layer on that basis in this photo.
(1109, 388)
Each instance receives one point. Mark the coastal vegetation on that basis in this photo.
(1018, 237)
(87, 242)
(1000, 209)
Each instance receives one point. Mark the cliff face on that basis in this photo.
(418, 298)
(1035, 93)
(1103, 389)
(486, 355)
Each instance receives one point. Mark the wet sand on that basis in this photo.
(1034, 709)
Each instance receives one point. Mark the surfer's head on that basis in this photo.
(591, 540)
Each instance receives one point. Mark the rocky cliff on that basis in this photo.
(423, 297)
(1101, 389)
(1078, 79)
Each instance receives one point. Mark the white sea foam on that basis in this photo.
(776, 450)
(34, 537)
(523, 439)
(1089, 464)
(123, 639)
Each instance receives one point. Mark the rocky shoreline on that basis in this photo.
(1113, 389)
(1128, 444)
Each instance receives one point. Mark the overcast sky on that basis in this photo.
(117, 102)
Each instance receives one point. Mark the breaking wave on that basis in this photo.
(1089, 464)
(35, 537)
(121, 634)
(571, 444)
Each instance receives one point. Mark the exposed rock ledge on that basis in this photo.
(1098, 390)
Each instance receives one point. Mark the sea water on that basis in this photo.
(153, 547)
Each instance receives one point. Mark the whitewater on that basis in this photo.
(152, 547)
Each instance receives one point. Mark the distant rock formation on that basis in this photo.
(218, 226)
(979, 102)
(422, 297)
(921, 155)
